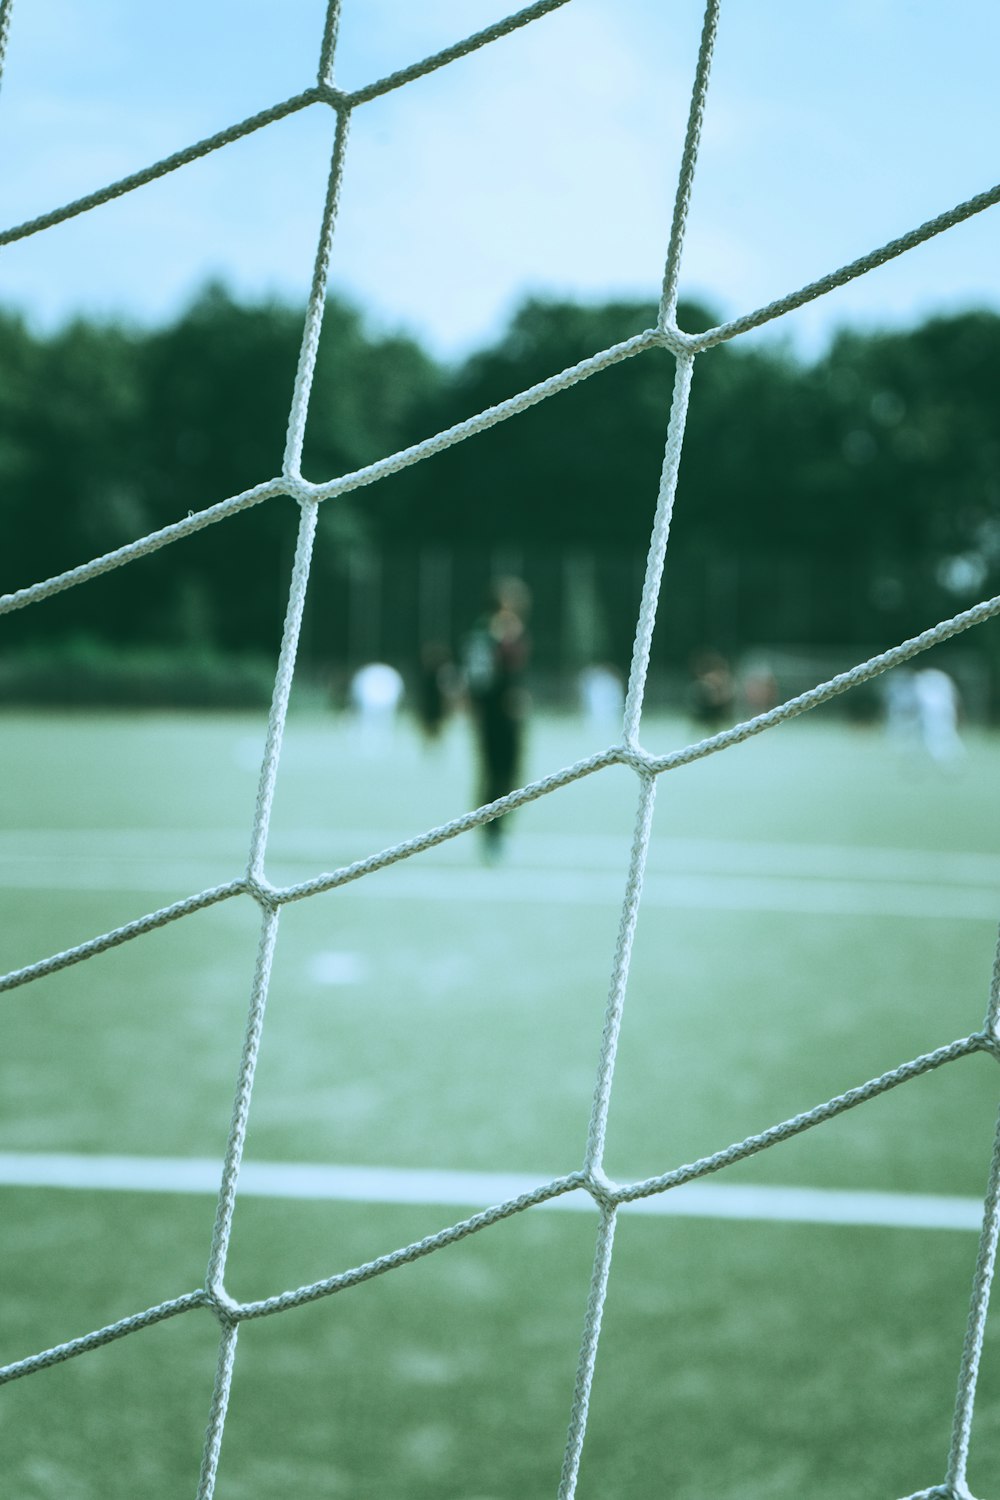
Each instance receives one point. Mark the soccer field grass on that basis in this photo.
(816, 911)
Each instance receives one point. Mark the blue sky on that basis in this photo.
(545, 163)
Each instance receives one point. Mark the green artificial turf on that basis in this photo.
(737, 1360)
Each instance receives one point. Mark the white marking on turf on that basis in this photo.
(684, 874)
(326, 848)
(560, 887)
(688, 892)
(476, 1190)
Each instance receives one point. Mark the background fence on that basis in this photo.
(790, 617)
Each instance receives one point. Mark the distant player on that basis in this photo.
(922, 714)
(494, 662)
(712, 693)
(375, 693)
(602, 696)
(937, 710)
(436, 688)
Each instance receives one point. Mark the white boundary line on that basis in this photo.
(401, 1186)
(51, 849)
(541, 888)
(567, 870)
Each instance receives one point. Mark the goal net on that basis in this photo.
(587, 1175)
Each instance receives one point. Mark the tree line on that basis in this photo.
(849, 499)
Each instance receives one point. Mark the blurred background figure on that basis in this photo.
(712, 693)
(496, 655)
(437, 688)
(602, 696)
(902, 713)
(937, 712)
(922, 711)
(375, 693)
(760, 688)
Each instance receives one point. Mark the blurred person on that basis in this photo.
(374, 694)
(902, 713)
(495, 658)
(436, 688)
(921, 714)
(760, 689)
(712, 693)
(602, 696)
(937, 705)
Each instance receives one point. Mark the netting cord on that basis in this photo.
(692, 343)
(588, 1353)
(265, 796)
(451, 54)
(453, 1234)
(673, 338)
(973, 1346)
(606, 1194)
(689, 157)
(992, 1022)
(101, 1336)
(865, 671)
(594, 1159)
(657, 551)
(328, 46)
(305, 370)
(597, 1131)
(226, 1205)
(6, 9)
(122, 934)
(309, 347)
(928, 1062)
(322, 92)
(217, 1411)
(162, 168)
(280, 699)
(614, 755)
(853, 269)
(230, 1311)
(357, 479)
(131, 551)
(241, 1108)
(982, 1281)
(659, 537)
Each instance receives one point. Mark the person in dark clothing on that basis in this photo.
(435, 688)
(496, 656)
(712, 694)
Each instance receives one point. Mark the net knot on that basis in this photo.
(676, 340)
(328, 93)
(226, 1309)
(635, 756)
(263, 892)
(301, 490)
(599, 1185)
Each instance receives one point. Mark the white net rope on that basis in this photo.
(589, 1177)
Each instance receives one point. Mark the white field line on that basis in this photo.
(327, 848)
(694, 893)
(686, 874)
(475, 1190)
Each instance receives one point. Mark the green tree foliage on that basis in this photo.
(107, 434)
(849, 499)
(581, 469)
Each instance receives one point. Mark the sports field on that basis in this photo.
(817, 910)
